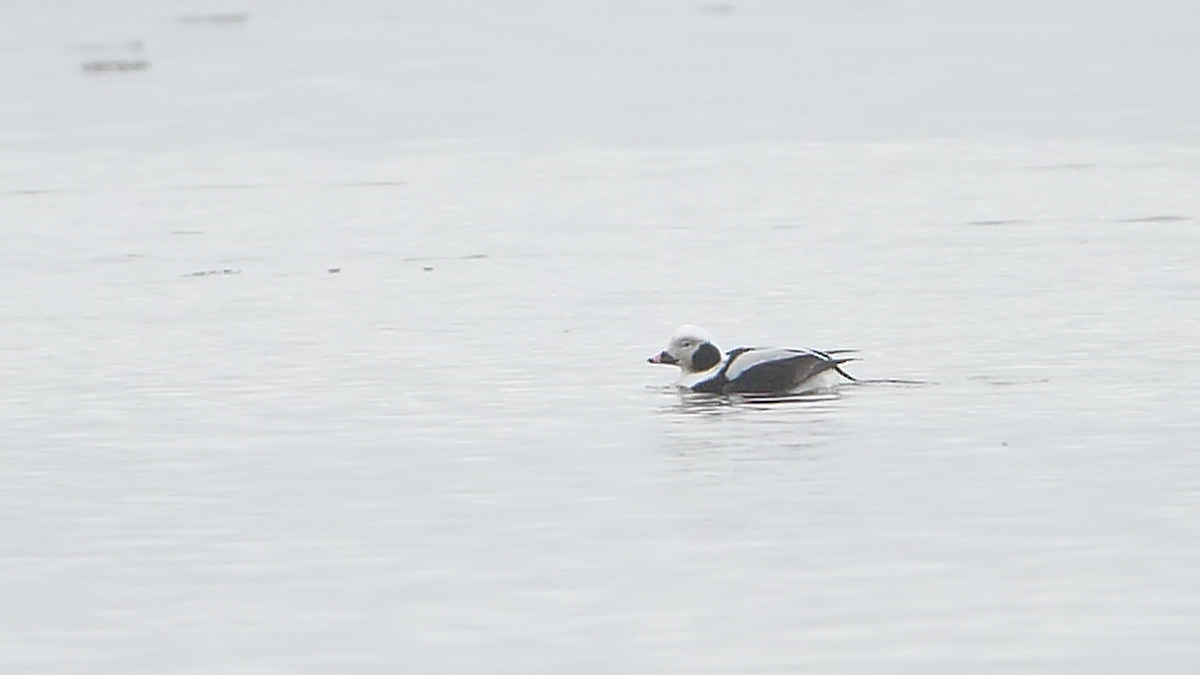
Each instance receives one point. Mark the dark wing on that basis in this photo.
(773, 371)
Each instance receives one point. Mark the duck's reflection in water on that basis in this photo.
(718, 433)
(693, 403)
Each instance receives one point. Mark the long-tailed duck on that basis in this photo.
(749, 370)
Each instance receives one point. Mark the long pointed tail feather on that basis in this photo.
(837, 365)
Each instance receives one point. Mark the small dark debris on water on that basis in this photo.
(1166, 218)
(214, 18)
(212, 273)
(995, 222)
(428, 268)
(34, 192)
(334, 270)
(717, 8)
(473, 256)
(115, 66)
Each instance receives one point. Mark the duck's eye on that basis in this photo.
(685, 343)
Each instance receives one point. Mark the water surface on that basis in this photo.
(347, 393)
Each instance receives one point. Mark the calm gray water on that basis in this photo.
(218, 455)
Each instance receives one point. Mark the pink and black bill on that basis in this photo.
(663, 357)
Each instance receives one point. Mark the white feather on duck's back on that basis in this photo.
(746, 370)
(747, 360)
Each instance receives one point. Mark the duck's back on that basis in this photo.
(774, 370)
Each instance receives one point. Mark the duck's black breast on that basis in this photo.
(713, 385)
(718, 382)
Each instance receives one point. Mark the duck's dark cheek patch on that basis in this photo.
(705, 357)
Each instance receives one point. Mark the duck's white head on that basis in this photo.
(691, 348)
